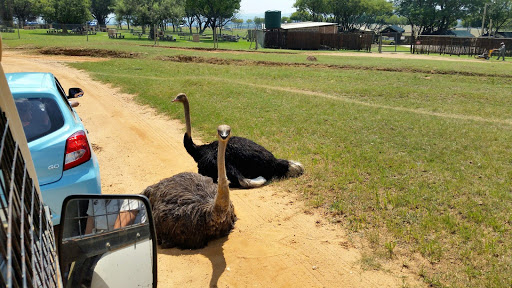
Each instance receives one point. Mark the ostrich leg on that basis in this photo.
(236, 177)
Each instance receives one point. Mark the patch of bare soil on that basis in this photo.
(238, 62)
(222, 50)
(274, 243)
(102, 53)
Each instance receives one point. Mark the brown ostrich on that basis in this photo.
(189, 209)
(248, 164)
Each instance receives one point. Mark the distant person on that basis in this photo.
(501, 51)
(34, 118)
(25, 111)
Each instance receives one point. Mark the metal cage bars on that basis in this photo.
(28, 255)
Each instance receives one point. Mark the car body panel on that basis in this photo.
(74, 181)
(48, 148)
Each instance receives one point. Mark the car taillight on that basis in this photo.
(77, 150)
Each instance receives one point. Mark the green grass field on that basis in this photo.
(412, 156)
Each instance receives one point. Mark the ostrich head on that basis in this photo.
(224, 132)
(180, 98)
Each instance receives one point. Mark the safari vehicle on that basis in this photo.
(82, 255)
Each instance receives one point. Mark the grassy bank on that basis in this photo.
(413, 160)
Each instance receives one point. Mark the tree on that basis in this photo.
(299, 16)
(431, 16)
(172, 11)
(155, 12)
(23, 10)
(396, 20)
(119, 21)
(238, 23)
(499, 11)
(374, 13)
(285, 19)
(193, 15)
(6, 13)
(249, 23)
(316, 8)
(217, 12)
(125, 11)
(100, 9)
(346, 12)
(258, 22)
(349, 14)
(190, 14)
(65, 11)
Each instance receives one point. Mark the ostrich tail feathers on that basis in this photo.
(295, 169)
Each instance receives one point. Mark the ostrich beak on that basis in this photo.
(224, 131)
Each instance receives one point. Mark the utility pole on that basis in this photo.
(483, 19)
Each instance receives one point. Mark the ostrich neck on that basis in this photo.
(187, 118)
(222, 198)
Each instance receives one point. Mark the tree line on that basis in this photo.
(424, 16)
(146, 13)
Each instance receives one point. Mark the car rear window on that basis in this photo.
(39, 116)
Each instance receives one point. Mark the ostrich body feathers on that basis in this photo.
(244, 159)
(184, 213)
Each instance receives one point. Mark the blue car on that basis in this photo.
(64, 160)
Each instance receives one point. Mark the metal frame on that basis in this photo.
(120, 232)
(28, 253)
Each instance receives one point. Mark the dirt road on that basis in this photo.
(274, 243)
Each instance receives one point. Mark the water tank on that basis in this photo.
(272, 19)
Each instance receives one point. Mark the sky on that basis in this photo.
(260, 6)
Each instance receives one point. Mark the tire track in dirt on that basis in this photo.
(274, 243)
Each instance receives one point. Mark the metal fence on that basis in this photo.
(282, 39)
(7, 27)
(459, 45)
(27, 245)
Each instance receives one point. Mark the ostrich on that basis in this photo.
(248, 165)
(189, 209)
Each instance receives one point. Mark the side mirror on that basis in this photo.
(107, 241)
(75, 93)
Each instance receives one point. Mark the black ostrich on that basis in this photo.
(189, 209)
(248, 165)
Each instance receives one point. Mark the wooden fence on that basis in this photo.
(281, 39)
(459, 45)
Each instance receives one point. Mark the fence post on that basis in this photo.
(380, 43)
